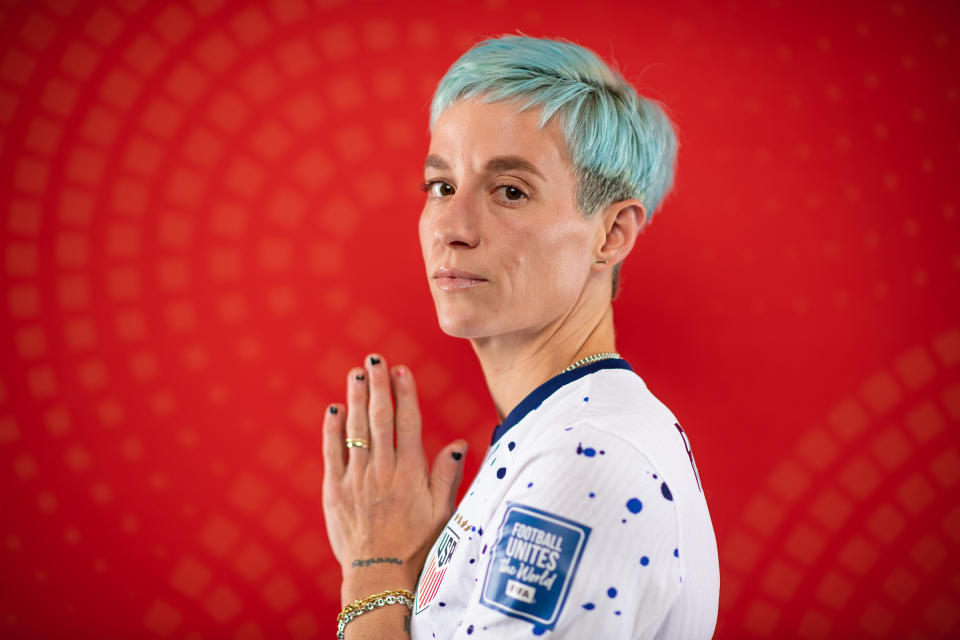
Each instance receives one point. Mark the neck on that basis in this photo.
(517, 363)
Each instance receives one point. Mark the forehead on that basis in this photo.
(470, 132)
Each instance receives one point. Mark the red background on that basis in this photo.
(210, 214)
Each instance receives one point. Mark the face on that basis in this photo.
(514, 225)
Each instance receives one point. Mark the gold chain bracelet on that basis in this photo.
(371, 602)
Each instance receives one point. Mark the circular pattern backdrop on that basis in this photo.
(210, 215)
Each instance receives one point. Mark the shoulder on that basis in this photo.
(609, 416)
(610, 430)
(577, 467)
(621, 401)
(621, 406)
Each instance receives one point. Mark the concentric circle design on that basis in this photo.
(210, 215)
(868, 497)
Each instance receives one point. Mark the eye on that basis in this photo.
(428, 187)
(512, 193)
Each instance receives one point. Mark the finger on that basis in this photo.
(409, 421)
(380, 412)
(446, 475)
(333, 445)
(357, 425)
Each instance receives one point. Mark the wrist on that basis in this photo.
(361, 583)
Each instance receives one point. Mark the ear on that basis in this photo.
(621, 222)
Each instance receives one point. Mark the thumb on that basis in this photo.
(446, 474)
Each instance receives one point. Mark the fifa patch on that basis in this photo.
(437, 564)
(533, 563)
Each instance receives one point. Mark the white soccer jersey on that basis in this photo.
(585, 520)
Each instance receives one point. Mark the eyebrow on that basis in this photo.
(498, 163)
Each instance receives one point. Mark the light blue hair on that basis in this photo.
(622, 144)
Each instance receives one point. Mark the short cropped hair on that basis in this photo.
(622, 145)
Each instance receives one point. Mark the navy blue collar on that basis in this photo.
(536, 397)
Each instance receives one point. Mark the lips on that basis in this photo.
(444, 272)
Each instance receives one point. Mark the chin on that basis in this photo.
(459, 329)
(459, 325)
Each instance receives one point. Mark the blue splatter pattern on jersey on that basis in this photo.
(665, 490)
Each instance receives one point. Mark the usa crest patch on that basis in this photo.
(437, 563)
(533, 564)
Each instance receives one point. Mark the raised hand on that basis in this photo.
(383, 510)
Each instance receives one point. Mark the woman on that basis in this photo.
(587, 517)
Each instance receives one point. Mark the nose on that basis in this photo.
(457, 222)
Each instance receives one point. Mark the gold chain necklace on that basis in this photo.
(593, 358)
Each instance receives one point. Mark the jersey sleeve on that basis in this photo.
(587, 545)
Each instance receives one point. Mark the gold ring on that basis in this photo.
(357, 442)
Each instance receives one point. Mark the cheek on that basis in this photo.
(560, 247)
(547, 261)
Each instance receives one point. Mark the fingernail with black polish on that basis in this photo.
(456, 455)
(374, 360)
(333, 410)
(359, 376)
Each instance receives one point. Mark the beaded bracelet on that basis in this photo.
(357, 607)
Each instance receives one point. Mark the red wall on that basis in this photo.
(210, 215)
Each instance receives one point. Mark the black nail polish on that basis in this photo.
(333, 410)
(359, 376)
(456, 455)
(374, 360)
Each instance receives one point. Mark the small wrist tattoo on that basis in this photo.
(370, 561)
